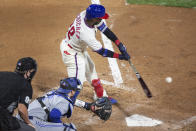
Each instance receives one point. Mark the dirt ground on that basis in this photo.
(161, 41)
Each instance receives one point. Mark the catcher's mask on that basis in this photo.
(69, 84)
(26, 64)
(96, 11)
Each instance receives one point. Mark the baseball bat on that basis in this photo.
(140, 79)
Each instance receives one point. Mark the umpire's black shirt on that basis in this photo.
(14, 89)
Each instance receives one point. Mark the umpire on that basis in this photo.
(16, 92)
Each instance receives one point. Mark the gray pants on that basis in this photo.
(7, 121)
(42, 125)
(24, 127)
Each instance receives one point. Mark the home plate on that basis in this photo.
(139, 120)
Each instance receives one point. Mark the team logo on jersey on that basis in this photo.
(27, 100)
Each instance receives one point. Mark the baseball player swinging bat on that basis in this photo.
(142, 83)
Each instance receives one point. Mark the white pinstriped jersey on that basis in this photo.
(80, 35)
(51, 101)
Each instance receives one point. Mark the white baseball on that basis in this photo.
(168, 79)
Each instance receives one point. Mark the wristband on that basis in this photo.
(79, 103)
(116, 55)
(117, 42)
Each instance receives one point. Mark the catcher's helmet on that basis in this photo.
(25, 64)
(69, 84)
(96, 11)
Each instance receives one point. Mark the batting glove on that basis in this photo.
(123, 50)
(124, 57)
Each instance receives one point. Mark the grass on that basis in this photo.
(177, 3)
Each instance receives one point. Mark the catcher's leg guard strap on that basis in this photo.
(96, 83)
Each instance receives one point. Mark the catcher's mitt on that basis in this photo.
(102, 107)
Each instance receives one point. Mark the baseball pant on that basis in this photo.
(41, 125)
(11, 123)
(24, 127)
(79, 64)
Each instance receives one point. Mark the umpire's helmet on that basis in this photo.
(96, 11)
(25, 64)
(69, 84)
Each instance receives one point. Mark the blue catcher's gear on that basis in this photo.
(55, 115)
(96, 11)
(69, 84)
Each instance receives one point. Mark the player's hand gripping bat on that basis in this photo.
(142, 83)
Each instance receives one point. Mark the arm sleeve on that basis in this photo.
(26, 94)
(110, 35)
(106, 31)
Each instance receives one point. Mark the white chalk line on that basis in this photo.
(119, 86)
(110, 84)
(112, 62)
(183, 123)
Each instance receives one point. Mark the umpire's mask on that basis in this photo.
(26, 64)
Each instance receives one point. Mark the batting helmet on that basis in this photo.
(96, 11)
(26, 64)
(69, 84)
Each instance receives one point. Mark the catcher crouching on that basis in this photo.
(46, 112)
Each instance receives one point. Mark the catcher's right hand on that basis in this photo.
(102, 107)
